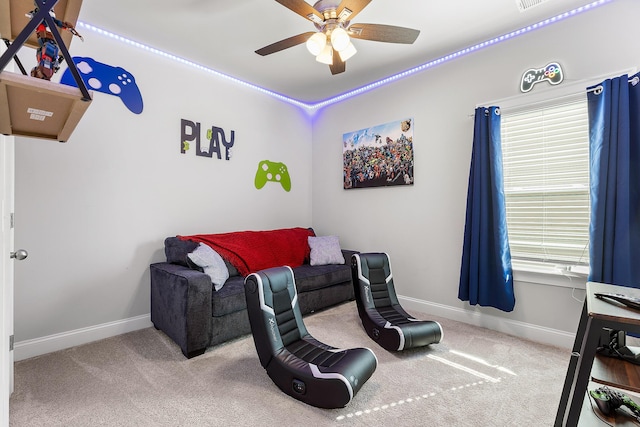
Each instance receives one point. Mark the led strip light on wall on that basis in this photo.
(312, 107)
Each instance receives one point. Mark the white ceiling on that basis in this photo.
(223, 35)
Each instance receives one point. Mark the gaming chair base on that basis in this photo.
(382, 316)
(301, 366)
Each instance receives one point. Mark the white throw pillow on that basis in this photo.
(212, 264)
(325, 250)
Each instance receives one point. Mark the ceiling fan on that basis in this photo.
(331, 43)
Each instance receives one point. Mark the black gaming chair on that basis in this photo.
(298, 364)
(384, 320)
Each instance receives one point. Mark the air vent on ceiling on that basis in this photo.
(528, 4)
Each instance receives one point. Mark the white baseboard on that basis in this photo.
(523, 330)
(38, 346)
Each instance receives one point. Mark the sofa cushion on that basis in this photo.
(325, 250)
(230, 298)
(177, 251)
(310, 278)
(212, 264)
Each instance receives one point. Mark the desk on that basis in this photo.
(596, 314)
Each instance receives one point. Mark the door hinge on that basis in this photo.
(11, 220)
(11, 343)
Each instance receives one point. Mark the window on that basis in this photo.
(546, 184)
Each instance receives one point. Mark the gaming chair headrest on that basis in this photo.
(278, 279)
(376, 260)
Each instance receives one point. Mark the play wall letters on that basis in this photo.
(191, 131)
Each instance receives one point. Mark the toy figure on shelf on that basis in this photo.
(47, 54)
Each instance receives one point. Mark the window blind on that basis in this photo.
(546, 183)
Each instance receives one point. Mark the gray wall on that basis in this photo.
(422, 226)
(93, 212)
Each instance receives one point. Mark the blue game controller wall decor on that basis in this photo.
(107, 79)
(190, 131)
(551, 73)
(269, 171)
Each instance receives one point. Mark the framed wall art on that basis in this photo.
(378, 156)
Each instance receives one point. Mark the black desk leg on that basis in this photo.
(571, 370)
(585, 363)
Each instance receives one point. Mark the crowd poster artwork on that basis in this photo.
(378, 156)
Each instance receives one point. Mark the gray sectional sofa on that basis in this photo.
(186, 306)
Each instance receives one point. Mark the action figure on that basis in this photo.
(47, 54)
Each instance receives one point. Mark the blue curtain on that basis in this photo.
(486, 276)
(614, 149)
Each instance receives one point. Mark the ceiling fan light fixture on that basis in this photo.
(326, 56)
(340, 39)
(316, 43)
(330, 43)
(347, 52)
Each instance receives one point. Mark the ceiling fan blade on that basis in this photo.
(355, 6)
(383, 33)
(302, 8)
(285, 44)
(338, 66)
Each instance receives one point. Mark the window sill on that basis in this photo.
(551, 276)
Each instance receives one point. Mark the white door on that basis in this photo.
(6, 273)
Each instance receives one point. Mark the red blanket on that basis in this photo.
(251, 251)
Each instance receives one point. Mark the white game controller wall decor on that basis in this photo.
(190, 131)
(551, 73)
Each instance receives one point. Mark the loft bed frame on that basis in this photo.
(34, 107)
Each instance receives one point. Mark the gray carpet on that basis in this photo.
(474, 377)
